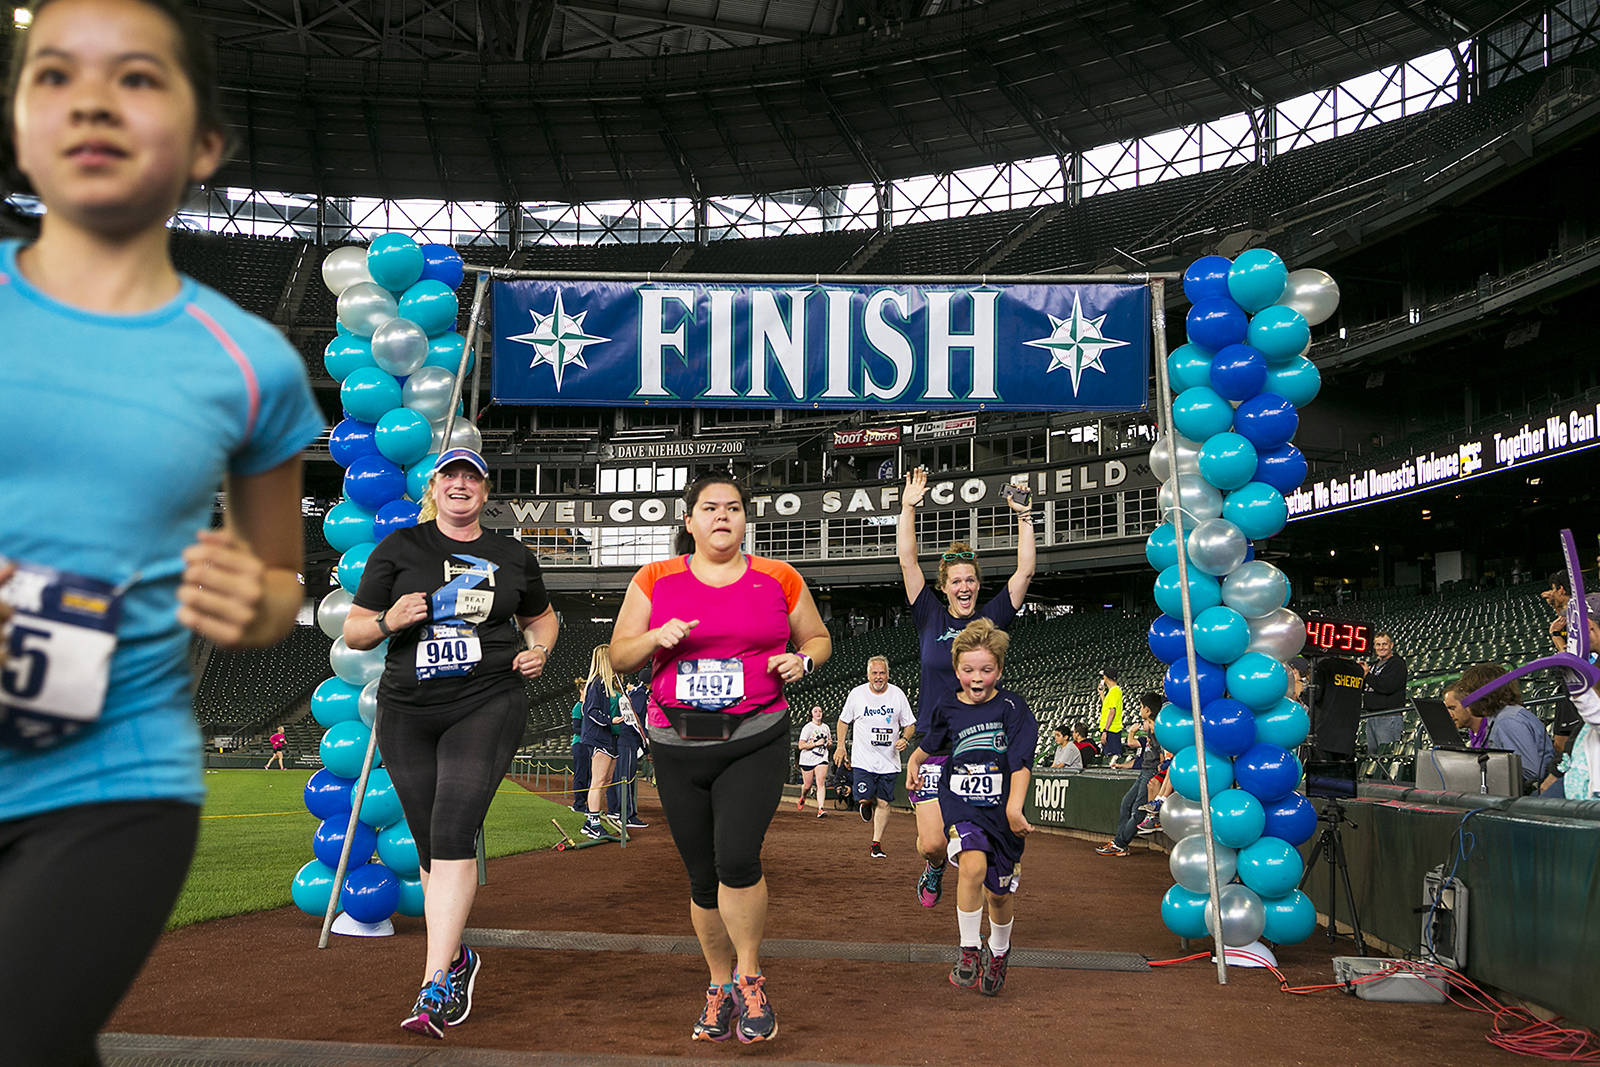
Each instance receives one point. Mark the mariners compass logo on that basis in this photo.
(1076, 344)
(558, 339)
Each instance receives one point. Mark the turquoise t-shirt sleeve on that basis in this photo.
(287, 417)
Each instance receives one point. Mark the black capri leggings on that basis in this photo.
(447, 763)
(718, 801)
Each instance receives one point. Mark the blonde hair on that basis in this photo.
(427, 510)
(946, 564)
(984, 634)
(880, 658)
(600, 667)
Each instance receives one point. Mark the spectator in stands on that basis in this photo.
(126, 391)
(1110, 714)
(937, 626)
(451, 725)
(582, 758)
(1383, 689)
(1067, 757)
(278, 742)
(715, 625)
(622, 795)
(1129, 814)
(1086, 748)
(1557, 596)
(1511, 726)
(602, 727)
(1300, 680)
(1474, 725)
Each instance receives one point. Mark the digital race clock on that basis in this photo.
(1349, 638)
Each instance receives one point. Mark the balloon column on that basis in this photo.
(396, 357)
(1228, 462)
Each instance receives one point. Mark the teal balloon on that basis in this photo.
(368, 392)
(380, 805)
(1185, 773)
(353, 564)
(1227, 460)
(1204, 592)
(1298, 381)
(395, 262)
(1257, 509)
(403, 436)
(1291, 918)
(1270, 866)
(1279, 333)
(334, 701)
(346, 525)
(1198, 413)
(445, 351)
(1161, 547)
(1221, 634)
(344, 748)
(1184, 912)
(1174, 728)
(345, 353)
(1188, 366)
(1256, 279)
(1257, 681)
(1237, 818)
(311, 887)
(431, 305)
(411, 899)
(417, 476)
(1286, 724)
(398, 849)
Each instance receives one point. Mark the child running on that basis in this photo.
(989, 734)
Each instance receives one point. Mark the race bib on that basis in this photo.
(931, 773)
(445, 651)
(710, 684)
(976, 783)
(882, 737)
(58, 663)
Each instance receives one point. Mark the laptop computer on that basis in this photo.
(1442, 729)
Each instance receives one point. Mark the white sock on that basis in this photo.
(1000, 937)
(970, 923)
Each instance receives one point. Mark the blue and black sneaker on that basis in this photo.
(463, 973)
(716, 1021)
(428, 1014)
(756, 1020)
(930, 887)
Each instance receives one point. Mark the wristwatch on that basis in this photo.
(383, 626)
(805, 664)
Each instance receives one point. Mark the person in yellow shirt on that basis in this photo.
(1110, 715)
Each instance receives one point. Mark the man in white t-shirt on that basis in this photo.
(884, 724)
(815, 740)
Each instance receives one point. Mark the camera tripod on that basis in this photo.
(1330, 849)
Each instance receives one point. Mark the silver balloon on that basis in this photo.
(357, 668)
(365, 306)
(1217, 546)
(1243, 916)
(1255, 589)
(464, 434)
(331, 612)
(344, 267)
(367, 703)
(1180, 816)
(428, 392)
(1161, 459)
(1188, 863)
(1199, 498)
(1280, 633)
(1311, 292)
(399, 346)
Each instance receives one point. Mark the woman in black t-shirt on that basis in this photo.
(455, 604)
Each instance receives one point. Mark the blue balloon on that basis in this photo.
(1216, 324)
(1166, 638)
(395, 515)
(1257, 279)
(1267, 419)
(1187, 367)
(344, 748)
(1228, 725)
(1174, 728)
(328, 795)
(312, 885)
(1286, 724)
(441, 263)
(445, 351)
(1238, 372)
(403, 436)
(1257, 509)
(1270, 866)
(368, 392)
(381, 805)
(1198, 413)
(417, 476)
(345, 353)
(1279, 333)
(411, 898)
(346, 525)
(373, 481)
(1204, 592)
(352, 439)
(397, 848)
(1184, 912)
(395, 261)
(431, 305)
(1292, 818)
(370, 893)
(1176, 682)
(1207, 279)
(1237, 818)
(1161, 547)
(1185, 773)
(1268, 771)
(352, 564)
(1297, 381)
(1227, 461)
(1290, 918)
(1257, 680)
(335, 700)
(1221, 634)
(1283, 468)
(329, 839)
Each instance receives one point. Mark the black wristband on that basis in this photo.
(383, 626)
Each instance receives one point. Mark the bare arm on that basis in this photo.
(540, 633)
(810, 637)
(905, 534)
(914, 769)
(1019, 792)
(632, 642)
(1027, 555)
(844, 732)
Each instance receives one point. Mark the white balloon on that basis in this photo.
(1280, 633)
(1199, 498)
(331, 612)
(355, 666)
(464, 434)
(1180, 816)
(1244, 917)
(1188, 456)
(1217, 546)
(367, 703)
(344, 267)
(1187, 862)
(365, 306)
(399, 346)
(1255, 589)
(428, 391)
(1311, 292)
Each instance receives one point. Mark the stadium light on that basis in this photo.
(21, 18)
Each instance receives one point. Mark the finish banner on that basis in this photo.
(822, 346)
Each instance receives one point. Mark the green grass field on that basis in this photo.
(255, 833)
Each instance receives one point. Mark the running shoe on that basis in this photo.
(1111, 848)
(756, 1021)
(1154, 807)
(428, 1014)
(967, 969)
(610, 825)
(865, 808)
(460, 979)
(992, 978)
(637, 823)
(716, 1022)
(1148, 823)
(800, 805)
(930, 887)
(822, 813)
(1147, 831)
(877, 852)
(592, 829)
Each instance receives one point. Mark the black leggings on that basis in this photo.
(86, 892)
(446, 765)
(718, 800)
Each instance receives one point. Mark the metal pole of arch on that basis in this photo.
(356, 797)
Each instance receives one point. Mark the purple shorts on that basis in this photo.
(1005, 856)
(932, 771)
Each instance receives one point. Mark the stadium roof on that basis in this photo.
(585, 100)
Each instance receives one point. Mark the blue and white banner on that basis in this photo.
(824, 346)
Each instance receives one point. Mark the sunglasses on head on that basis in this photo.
(951, 557)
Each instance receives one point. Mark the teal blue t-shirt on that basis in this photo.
(117, 432)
